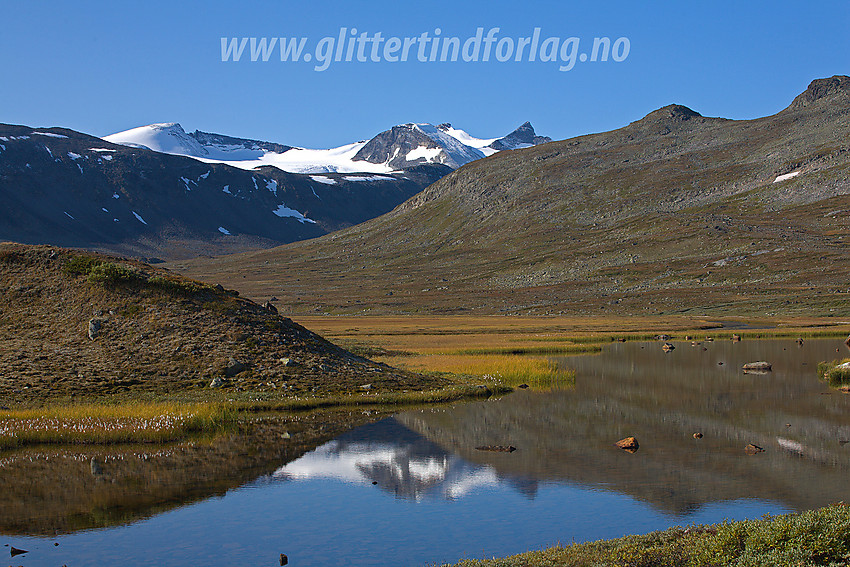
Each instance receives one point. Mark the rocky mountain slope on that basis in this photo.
(414, 144)
(673, 213)
(82, 325)
(66, 188)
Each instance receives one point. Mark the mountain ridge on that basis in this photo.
(673, 213)
(400, 147)
(68, 188)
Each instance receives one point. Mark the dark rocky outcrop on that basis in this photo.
(837, 87)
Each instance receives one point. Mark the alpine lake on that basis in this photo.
(416, 488)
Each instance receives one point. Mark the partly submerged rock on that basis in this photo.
(757, 367)
(751, 449)
(629, 444)
(497, 448)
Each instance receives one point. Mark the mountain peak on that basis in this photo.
(675, 112)
(172, 126)
(837, 85)
(523, 137)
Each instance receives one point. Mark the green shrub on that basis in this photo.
(107, 273)
(80, 265)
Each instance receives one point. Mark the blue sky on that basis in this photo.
(103, 67)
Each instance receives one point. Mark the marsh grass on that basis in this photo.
(443, 395)
(519, 350)
(836, 373)
(106, 424)
(504, 369)
(814, 537)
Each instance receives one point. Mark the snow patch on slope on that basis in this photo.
(302, 160)
(283, 211)
(786, 176)
(428, 154)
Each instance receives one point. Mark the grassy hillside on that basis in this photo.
(80, 326)
(674, 213)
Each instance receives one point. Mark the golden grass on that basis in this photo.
(535, 335)
(504, 369)
(104, 424)
(448, 394)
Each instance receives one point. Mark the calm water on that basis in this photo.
(413, 490)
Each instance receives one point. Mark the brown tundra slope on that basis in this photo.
(81, 325)
(674, 213)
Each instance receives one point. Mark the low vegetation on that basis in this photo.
(107, 424)
(836, 373)
(113, 274)
(504, 369)
(815, 537)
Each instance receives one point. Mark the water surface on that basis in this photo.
(413, 489)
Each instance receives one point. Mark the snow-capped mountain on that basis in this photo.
(170, 138)
(414, 144)
(159, 191)
(398, 148)
(66, 188)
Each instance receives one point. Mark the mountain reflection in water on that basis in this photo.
(630, 389)
(399, 461)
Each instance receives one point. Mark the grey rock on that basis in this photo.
(96, 470)
(217, 382)
(94, 328)
(234, 367)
